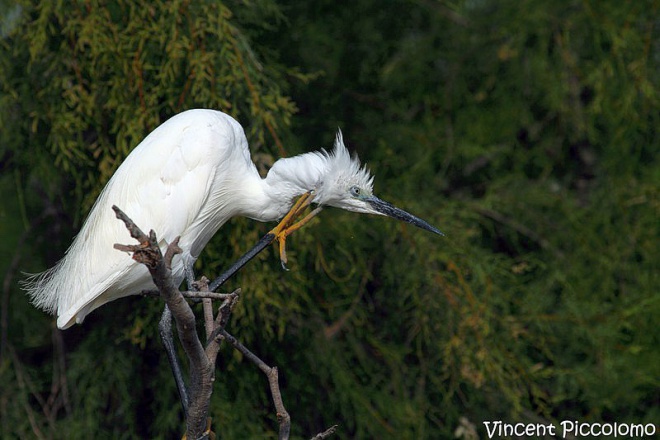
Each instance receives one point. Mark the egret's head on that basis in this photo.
(349, 186)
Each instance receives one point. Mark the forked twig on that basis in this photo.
(202, 360)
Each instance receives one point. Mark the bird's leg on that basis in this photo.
(301, 204)
(287, 225)
(265, 241)
(284, 228)
(165, 330)
(190, 275)
(281, 237)
(166, 335)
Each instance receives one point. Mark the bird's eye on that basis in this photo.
(355, 191)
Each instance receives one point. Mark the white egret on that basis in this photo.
(187, 178)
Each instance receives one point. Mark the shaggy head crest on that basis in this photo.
(343, 173)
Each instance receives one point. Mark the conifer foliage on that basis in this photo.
(526, 131)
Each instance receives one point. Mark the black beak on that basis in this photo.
(390, 210)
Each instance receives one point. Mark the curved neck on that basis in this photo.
(287, 179)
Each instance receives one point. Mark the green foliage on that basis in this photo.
(100, 77)
(524, 130)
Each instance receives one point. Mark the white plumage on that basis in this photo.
(187, 178)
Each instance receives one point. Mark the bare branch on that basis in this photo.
(133, 229)
(282, 415)
(226, 308)
(221, 320)
(212, 340)
(271, 373)
(325, 434)
(202, 361)
(201, 370)
(207, 304)
(203, 286)
(189, 294)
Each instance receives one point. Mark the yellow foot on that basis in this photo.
(287, 225)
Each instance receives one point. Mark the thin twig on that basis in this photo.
(207, 305)
(226, 308)
(325, 434)
(213, 339)
(271, 373)
(203, 286)
(221, 321)
(189, 294)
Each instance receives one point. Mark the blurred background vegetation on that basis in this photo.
(526, 131)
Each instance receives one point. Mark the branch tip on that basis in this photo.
(325, 434)
(134, 230)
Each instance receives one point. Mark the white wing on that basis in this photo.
(169, 183)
